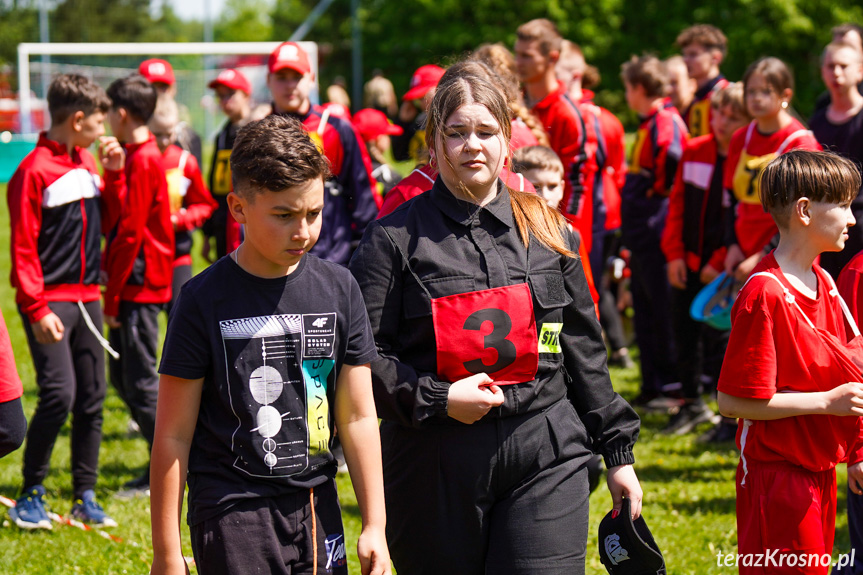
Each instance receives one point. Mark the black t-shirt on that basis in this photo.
(845, 139)
(269, 351)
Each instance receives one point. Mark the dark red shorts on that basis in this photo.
(786, 516)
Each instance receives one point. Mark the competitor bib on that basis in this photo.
(491, 331)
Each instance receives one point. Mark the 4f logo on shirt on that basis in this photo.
(320, 322)
(549, 338)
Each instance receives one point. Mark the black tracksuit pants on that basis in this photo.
(503, 496)
(71, 377)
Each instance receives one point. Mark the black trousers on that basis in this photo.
(71, 377)
(651, 302)
(274, 535)
(700, 348)
(13, 426)
(134, 375)
(505, 496)
(604, 246)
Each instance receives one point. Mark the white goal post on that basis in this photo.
(143, 49)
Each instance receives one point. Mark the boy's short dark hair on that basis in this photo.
(708, 36)
(536, 158)
(136, 95)
(819, 176)
(70, 93)
(647, 71)
(274, 154)
(731, 95)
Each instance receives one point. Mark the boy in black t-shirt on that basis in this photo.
(266, 353)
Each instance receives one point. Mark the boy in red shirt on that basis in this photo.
(644, 203)
(59, 208)
(140, 256)
(703, 48)
(790, 373)
(191, 202)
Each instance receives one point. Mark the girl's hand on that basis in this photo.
(472, 397)
(622, 482)
(373, 553)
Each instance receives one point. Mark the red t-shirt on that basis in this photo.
(849, 286)
(10, 382)
(772, 349)
(748, 154)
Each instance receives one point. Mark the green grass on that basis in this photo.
(689, 489)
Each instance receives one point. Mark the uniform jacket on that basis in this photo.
(58, 210)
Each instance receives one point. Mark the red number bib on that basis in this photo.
(491, 331)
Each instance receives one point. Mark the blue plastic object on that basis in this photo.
(713, 303)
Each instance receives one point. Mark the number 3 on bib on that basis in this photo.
(490, 331)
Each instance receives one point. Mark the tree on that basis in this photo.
(244, 21)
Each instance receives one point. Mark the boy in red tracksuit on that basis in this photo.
(140, 256)
(792, 372)
(644, 203)
(58, 208)
(572, 129)
(703, 48)
(191, 202)
(350, 196)
(692, 244)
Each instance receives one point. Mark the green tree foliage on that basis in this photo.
(244, 21)
(19, 22)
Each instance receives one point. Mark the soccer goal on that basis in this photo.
(195, 65)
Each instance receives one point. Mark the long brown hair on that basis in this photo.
(467, 83)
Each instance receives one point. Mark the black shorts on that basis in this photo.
(275, 535)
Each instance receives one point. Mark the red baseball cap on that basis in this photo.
(424, 79)
(155, 70)
(373, 123)
(289, 55)
(232, 79)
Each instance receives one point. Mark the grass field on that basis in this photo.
(689, 489)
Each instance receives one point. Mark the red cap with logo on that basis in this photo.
(373, 123)
(232, 79)
(155, 70)
(289, 55)
(424, 79)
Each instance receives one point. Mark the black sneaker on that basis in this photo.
(688, 417)
(138, 487)
(724, 432)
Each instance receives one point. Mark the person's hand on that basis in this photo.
(111, 321)
(745, 267)
(622, 482)
(676, 270)
(206, 248)
(373, 553)
(408, 111)
(733, 257)
(846, 399)
(49, 329)
(472, 397)
(111, 153)
(174, 566)
(855, 478)
(708, 274)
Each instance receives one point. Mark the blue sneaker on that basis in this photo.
(88, 510)
(29, 511)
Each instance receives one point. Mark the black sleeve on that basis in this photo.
(729, 215)
(401, 143)
(402, 394)
(186, 352)
(361, 343)
(611, 422)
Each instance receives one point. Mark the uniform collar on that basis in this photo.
(132, 147)
(57, 148)
(702, 92)
(549, 100)
(463, 212)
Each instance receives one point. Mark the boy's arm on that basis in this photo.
(176, 416)
(846, 399)
(357, 424)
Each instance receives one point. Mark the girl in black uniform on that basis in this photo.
(492, 381)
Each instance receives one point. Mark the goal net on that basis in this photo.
(195, 64)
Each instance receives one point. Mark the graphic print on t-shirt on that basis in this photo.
(279, 367)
